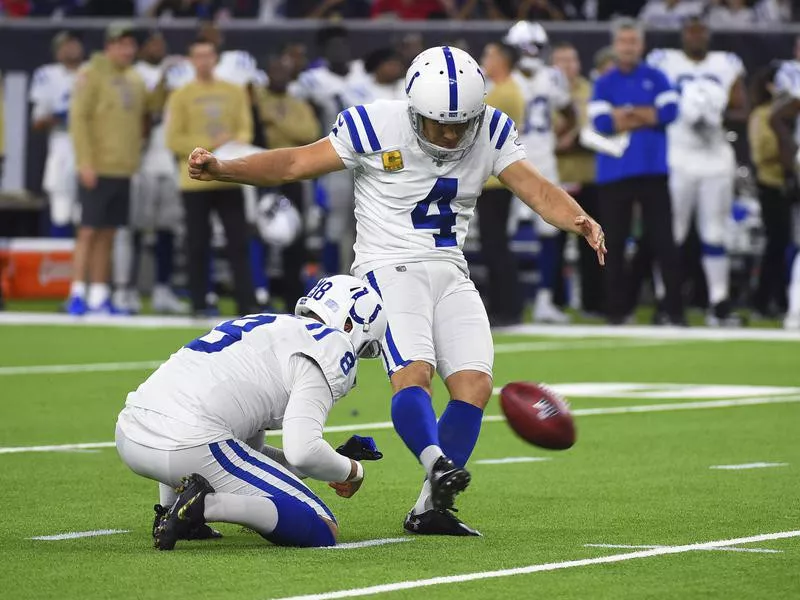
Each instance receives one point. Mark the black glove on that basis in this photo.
(360, 448)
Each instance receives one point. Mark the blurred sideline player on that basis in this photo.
(155, 202)
(197, 423)
(545, 90)
(701, 160)
(240, 68)
(109, 111)
(785, 121)
(50, 93)
(286, 121)
(234, 66)
(419, 167)
(332, 83)
(384, 69)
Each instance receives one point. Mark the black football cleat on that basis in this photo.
(203, 532)
(437, 522)
(447, 481)
(185, 515)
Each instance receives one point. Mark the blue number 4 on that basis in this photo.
(443, 192)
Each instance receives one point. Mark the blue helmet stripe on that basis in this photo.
(373, 139)
(451, 75)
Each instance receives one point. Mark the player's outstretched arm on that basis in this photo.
(555, 205)
(269, 168)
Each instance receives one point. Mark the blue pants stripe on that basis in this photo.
(248, 458)
(397, 358)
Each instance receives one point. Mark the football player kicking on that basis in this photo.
(196, 425)
(419, 167)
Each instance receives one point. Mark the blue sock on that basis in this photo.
(330, 257)
(414, 419)
(548, 249)
(164, 254)
(711, 250)
(298, 525)
(258, 256)
(459, 428)
(61, 231)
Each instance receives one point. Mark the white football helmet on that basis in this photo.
(340, 299)
(278, 221)
(531, 41)
(446, 85)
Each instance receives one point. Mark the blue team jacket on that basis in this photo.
(647, 152)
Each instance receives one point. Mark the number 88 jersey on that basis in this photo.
(409, 207)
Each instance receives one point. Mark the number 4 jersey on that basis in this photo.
(235, 381)
(409, 207)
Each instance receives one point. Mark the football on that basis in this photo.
(538, 415)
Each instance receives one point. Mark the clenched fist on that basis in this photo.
(203, 165)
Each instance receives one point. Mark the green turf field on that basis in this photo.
(633, 479)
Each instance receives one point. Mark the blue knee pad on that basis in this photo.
(299, 525)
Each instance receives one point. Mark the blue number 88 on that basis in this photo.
(319, 291)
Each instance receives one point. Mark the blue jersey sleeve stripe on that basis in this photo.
(286, 478)
(504, 133)
(353, 131)
(451, 75)
(493, 123)
(373, 139)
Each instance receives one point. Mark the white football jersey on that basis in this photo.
(234, 66)
(331, 93)
(685, 141)
(409, 207)
(234, 381)
(157, 158)
(51, 92)
(545, 91)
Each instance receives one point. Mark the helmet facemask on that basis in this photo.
(439, 153)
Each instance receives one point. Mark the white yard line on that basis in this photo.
(719, 549)
(85, 368)
(560, 331)
(581, 412)
(511, 460)
(658, 333)
(138, 322)
(154, 364)
(513, 347)
(79, 534)
(756, 465)
(367, 543)
(613, 558)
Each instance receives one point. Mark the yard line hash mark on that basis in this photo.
(613, 558)
(368, 543)
(755, 465)
(581, 412)
(717, 549)
(72, 535)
